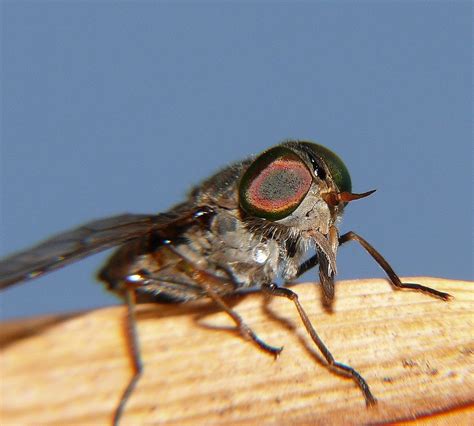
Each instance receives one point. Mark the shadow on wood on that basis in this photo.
(416, 353)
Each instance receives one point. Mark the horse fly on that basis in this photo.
(244, 227)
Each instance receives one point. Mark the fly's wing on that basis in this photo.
(73, 245)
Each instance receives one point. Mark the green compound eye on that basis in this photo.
(275, 184)
(336, 167)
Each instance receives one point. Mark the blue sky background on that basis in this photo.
(108, 107)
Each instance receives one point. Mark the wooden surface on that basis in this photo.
(416, 353)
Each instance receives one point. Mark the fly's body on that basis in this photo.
(216, 240)
(238, 249)
(246, 226)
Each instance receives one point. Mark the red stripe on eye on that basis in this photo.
(279, 186)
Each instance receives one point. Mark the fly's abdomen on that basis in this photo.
(157, 274)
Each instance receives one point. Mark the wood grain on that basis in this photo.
(416, 353)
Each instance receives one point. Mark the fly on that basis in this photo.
(243, 227)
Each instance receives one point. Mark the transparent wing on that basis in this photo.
(75, 244)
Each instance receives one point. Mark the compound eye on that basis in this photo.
(336, 166)
(275, 184)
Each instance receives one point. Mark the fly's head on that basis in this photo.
(300, 186)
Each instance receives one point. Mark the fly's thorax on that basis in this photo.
(248, 257)
(221, 189)
(223, 247)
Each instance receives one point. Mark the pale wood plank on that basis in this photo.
(416, 353)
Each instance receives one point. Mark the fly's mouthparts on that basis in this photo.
(334, 198)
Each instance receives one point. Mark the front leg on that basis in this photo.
(307, 265)
(394, 278)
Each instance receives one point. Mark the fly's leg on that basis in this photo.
(210, 283)
(307, 265)
(394, 278)
(274, 290)
(244, 329)
(134, 347)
